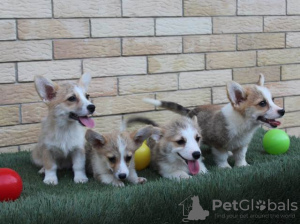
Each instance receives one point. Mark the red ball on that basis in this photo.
(11, 185)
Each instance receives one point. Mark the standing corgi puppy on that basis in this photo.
(61, 142)
(111, 156)
(176, 153)
(231, 127)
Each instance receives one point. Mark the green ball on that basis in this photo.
(276, 142)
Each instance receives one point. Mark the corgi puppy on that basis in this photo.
(176, 153)
(111, 156)
(61, 142)
(230, 128)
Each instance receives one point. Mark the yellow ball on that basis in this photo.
(142, 156)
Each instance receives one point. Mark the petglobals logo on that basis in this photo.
(252, 205)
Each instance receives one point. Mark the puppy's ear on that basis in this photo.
(142, 134)
(85, 80)
(45, 88)
(157, 134)
(261, 80)
(195, 120)
(95, 139)
(236, 93)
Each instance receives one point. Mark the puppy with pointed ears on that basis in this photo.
(230, 128)
(176, 154)
(111, 156)
(61, 142)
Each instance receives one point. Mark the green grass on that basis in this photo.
(269, 177)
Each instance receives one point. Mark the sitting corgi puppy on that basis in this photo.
(230, 128)
(61, 142)
(111, 156)
(176, 153)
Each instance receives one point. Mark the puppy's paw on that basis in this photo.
(241, 164)
(118, 183)
(179, 175)
(203, 170)
(224, 166)
(51, 180)
(80, 180)
(141, 180)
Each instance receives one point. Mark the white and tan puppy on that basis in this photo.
(61, 142)
(176, 153)
(111, 156)
(231, 127)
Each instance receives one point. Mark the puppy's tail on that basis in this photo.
(143, 120)
(175, 107)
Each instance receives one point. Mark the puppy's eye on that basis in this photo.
(128, 158)
(262, 103)
(197, 138)
(72, 98)
(180, 142)
(87, 96)
(112, 159)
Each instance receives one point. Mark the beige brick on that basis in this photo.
(87, 8)
(7, 73)
(107, 124)
(279, 102)
(290, 120)
(69, 69)
(33, 112)
(53, 28)
(250, 75)
(25, 9)
(208, 43)
(209, 8)
(187, 98)
(294, 131)
(284, 88)
(219, 95)
(237, 24)
(25, 50)
(145, 8)
(18, 93)
(86, 48)
(290, 72)
(292, 103)
(152, 45)
(19, 134)
(175, 63)
(188, 80)
(293, 39)
(293, 7)
(183, 26)
(122, 27)
(10, 149)
(9, 115)
(115, 66)
(147, 83)
(103, 87)
(261, 7)
(281, 23)
(122, 104)
(28, 147)
(8, 29)
(276, 57)
(261, 41)
(230, 59)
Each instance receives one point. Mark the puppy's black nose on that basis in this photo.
(91, 108)
(281, 112)
(122, 176)
(196, 155)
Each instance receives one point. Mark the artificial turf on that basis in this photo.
(276, 178)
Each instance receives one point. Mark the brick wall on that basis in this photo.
(181, 50)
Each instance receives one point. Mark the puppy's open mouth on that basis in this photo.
(271, 122)
(86, 121)
(193, 165)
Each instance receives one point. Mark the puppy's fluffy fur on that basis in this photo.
(176, 153)
(111, 156)
(61, 142)
(231, 127)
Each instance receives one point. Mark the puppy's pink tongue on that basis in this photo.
(275, 123)
(193, 166)
(88, 122)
